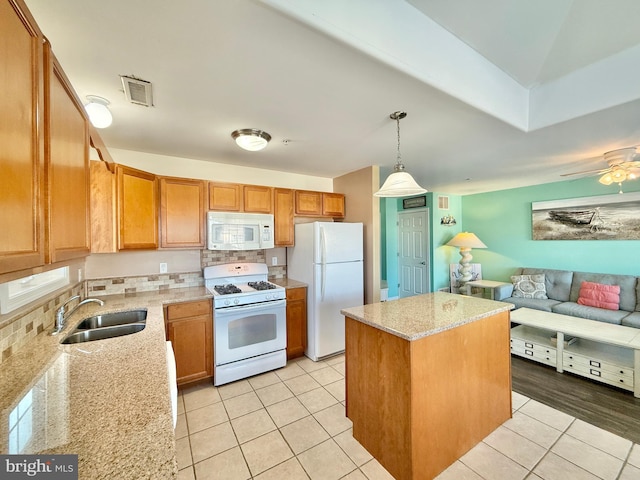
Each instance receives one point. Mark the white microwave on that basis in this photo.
(239, 231)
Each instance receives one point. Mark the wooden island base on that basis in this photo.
(419, 405)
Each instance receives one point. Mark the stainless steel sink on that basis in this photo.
(111, 319)
(108, 325)
(79, 336)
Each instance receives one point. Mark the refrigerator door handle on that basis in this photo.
(323, 275)
(323, 269)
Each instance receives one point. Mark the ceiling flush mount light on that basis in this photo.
(466, 241)
(399, 183)
(251, 139)
(98, 111)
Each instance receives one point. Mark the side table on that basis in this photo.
(489, 284)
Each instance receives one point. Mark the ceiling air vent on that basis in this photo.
(137, 91)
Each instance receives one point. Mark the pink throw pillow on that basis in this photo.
(599, 295)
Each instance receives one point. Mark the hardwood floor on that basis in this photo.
(609, 408)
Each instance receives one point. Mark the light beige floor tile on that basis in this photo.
(301, 384)
(234, 389)
(274, 393)
(228, 465)
(518, 400)
(212, 441)
(587, 457)
(289, 470)
(338, 390)
(186, 474)
(629, 472)
(198, 397)
(634, 457)
(316, 400)
(287, 411)
(180, 403)
(553, 467)
(325, 376)
(181, 426)
(290, 371)
(183, 453)
(516, 447)
(206, 417)
(356, 452)
(334, 419)
(601, 439)
(309, 365)
(490, 464)
(340, 358)
(340, 368)
(264, 380)
(355, 475)
(265, 452)
(374, 471)
(533, 429)
(533, 476)
(326, 462)
(242, 404)
(548, 415)
(458, 471)
(304, 434)
(252, 425)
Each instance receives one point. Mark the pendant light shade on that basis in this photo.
(399, 183)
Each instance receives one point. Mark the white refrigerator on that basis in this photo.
(328, 257)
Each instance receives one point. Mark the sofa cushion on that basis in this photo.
(529, 286)
(600, 295)
(590, 313)
(535, 303)
(557, 282)
(627, 285)
(632, 320)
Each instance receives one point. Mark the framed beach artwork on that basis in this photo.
(606, 217)
(454, 275)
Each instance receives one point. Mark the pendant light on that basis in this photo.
(399, 183)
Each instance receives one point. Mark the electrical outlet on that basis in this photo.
(163, 267)
(274, 261)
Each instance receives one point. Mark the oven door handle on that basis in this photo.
(248, 308)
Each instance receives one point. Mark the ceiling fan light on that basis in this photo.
(98, 111)
(606, 179)
(618, 175)
(251, 139)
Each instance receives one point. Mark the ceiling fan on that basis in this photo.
(624, 164)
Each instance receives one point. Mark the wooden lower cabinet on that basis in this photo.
(296, 322)
(189, 327)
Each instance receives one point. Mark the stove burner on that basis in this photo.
(227, 289)
(261, 285)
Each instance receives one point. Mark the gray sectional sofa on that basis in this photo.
(563, 288)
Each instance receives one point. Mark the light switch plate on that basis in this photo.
(274, 261)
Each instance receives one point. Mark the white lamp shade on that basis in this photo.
(99, 114)
(399, 184)
(466, 239)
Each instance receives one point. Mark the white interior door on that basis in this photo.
(413, 248)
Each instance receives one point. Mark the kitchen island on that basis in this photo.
(427, 378)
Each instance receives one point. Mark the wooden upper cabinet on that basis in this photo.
(182, 212)
(22, 150)
(319, 204)
(257, 199)
(226, 197)
(67, 166)
(104, 238)
(137, 209)
(308, 203)
(283, 217)
(333, 204)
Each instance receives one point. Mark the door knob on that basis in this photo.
(423, 263)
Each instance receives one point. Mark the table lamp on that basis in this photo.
(466, 241)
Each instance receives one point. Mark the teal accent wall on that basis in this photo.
(442, 255)
(390, 238)
(502, 220)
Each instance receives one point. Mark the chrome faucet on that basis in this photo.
(62, 315)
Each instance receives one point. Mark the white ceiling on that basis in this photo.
(499, 93)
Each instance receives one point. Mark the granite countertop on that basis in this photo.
(288, 282)
(106, 401)
(416, 317)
